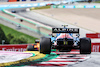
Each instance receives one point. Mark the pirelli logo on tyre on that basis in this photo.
(65, 30)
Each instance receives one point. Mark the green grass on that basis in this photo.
(97, 2)
(17, 34)
(43, 7)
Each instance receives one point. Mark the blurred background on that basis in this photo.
(24, 21)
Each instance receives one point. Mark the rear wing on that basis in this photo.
(65, 30)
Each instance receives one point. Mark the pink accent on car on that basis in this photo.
(63, 35)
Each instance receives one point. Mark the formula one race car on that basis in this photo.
(64, 41)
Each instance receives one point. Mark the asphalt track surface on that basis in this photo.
(63, 59)
(14, 26)
(13, 56)
(93, 58)
(23, 30)
(91, 62)
(38, 59)
(50, 21)
(59, 59)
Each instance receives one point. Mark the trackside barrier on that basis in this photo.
(31, 29)
(76, 6)
(95, 38)
(46, 27)
(9, 6)
(18, 47)
(7, 12)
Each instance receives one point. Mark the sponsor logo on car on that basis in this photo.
(14, 49)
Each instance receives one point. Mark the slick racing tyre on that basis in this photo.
(85, 46)
(45, 45)
(30, 48)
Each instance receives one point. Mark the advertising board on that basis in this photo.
(69, 6)
(12, 0)
(3, 0)
(97, 6)
(89, 6)
(79, 6)
(19, 48)
(60, 6)
(93, 35)
(95, 46)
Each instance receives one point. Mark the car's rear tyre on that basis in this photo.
(30, 48)
(85, 46)
(45, 45)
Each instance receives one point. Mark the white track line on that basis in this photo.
(58, 63)
(68, 59)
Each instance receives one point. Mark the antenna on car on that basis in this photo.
(65, 26)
